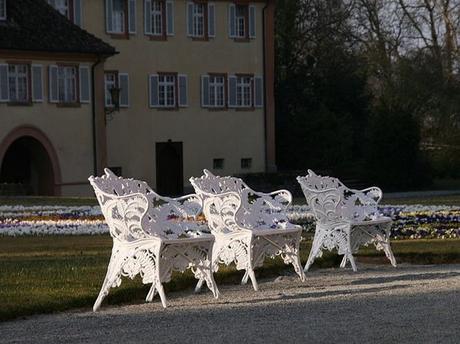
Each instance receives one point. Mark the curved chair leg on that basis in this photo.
(245, 278)
(344, 261)
(252, 276)
(315, 249)
(161, 292)
(199, 285)
(113, 271)
(151, 293)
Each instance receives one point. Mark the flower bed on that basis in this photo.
(410, 222)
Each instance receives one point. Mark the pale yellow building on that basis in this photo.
(195, 81)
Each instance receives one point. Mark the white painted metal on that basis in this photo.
(345, 218)
(152, 235)
(248, 225)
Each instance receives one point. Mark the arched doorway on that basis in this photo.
(28, 164)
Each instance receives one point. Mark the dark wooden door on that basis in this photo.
(169, 169)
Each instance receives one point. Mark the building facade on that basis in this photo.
(195, 84)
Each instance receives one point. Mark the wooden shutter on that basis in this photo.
(183, 90)
(85, 84)
(205, 91)
(77, 11)
(132, 16)
(232, 91)
(189, 18)
(4, 92)
(37, 83)
(147, 17)
(211, 20)
(258, 92)
(153, 90)
(108, 16)
(53, 84)
(252, 21)
(123, 82)
(169, 18)
(231, 21)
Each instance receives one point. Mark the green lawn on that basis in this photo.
(55, 273)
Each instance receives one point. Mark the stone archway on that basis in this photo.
(29, 164)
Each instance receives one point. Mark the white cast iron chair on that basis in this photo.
(345, 218)
(248, 225)
(152, 235)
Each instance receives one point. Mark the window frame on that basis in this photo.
(28, 78)
(225, 86)
(3, 10)
(250, 86)
(205, 15)
(120, 34)
(243, 164)
(173, 83)
(116, 83)
(245, 36)
(77, 84)
(215, 162)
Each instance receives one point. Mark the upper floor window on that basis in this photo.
(120, 16)
(243, 91)
(18, 83)
(200, 19)
(213, 89)
(242, 21)
(120, 81)
(2, 9)
(159, 18)
(71, 9)
(167, 90)
(110, 81)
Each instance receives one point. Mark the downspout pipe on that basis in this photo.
(93, 117)
(264, 84)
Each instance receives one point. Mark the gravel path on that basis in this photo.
(378, 304)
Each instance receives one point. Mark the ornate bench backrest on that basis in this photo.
(134, 211)
(331, 201)
(257, 210)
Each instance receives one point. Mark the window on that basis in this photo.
(118, 16)
(198, 20)
(18, 83)
(217, 91)
(67, 84)
(243, 91)
(167, 90)
(246, 163)
(242, 21)
(2, 9)
(62, 6)
(157, 17)
(110, 81)
(218, 164)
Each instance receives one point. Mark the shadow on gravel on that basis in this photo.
(407, 277)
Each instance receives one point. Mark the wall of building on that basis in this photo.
(68, 129)
(206, 134)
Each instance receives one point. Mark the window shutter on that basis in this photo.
(85, 85)
(252, 22)
(205, 91)
(132, 16)
(211, 20)
(170, 18)
(4, 93)
(123, 81)
(189, 18)
(37, 83)
(258, 92)
(77, 12)
(53, 83)
(153, 91)
(232, 91)
(147, 17)
(183, 90)
(108, 15)
(231, 21)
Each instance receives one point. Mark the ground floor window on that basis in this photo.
(110, 82)
(67, 84)
(243, 91)
(167, 90)
(217, 91)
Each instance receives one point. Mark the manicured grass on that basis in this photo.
(453, 200)
(56, 273)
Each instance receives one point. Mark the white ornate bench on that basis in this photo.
(248, 225)
(152, 235)
(345, 218)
